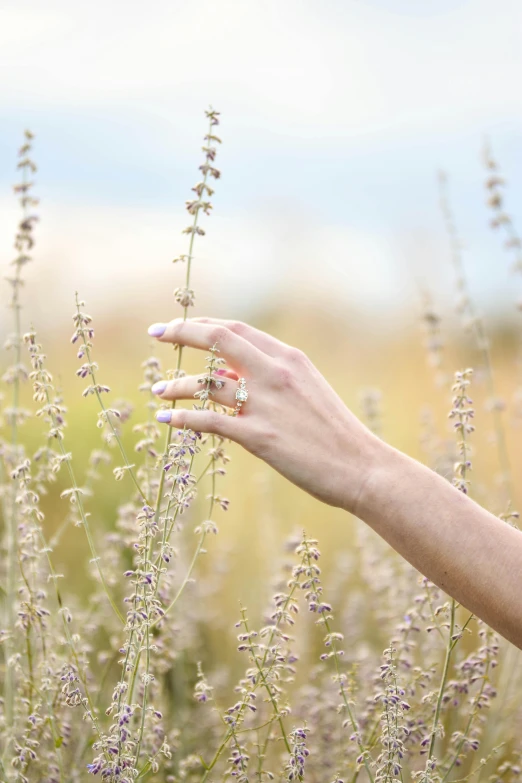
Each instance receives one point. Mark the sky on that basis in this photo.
(336, 118)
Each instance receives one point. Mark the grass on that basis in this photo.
(355, 669)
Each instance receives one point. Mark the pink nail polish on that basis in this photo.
(220, 372)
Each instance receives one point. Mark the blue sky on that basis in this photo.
(336, 118)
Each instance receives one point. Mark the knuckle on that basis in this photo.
(174, 388)
(173, 331)
(215, 422)
(182, 417)
(238, 327)
(297, 356)
(219, 334)
(283, 377)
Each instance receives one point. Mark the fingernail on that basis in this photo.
(163, 416)
(156, 330)
(159, 387)
(220, 372)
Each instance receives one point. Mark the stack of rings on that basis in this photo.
(241, 396)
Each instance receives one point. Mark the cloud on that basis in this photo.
(297, 67)
(336, 117)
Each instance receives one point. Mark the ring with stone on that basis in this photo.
(241, 396)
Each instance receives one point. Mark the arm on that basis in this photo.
(295, 421)
(471, 554)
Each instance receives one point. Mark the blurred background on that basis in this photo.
(326, 231)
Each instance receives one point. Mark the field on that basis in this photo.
(123, 611)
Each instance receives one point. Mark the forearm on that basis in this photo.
(469, 553)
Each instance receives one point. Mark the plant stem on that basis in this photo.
(11, 517)
(168, 437)
(481, 339)
(107, 416)
(83, 515)
(445, 671)
(229, 733)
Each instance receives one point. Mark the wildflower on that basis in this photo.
(295, 767)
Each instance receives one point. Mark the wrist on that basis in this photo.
(373, 466)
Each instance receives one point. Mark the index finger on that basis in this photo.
(265, 342)
(240, 353)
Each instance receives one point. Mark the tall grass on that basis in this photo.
(129, 683)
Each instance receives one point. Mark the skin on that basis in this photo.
(469, 553)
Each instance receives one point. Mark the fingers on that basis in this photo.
(202, 421)
(265, 342)
(222, 389)
(241, 353)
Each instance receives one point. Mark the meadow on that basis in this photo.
(174, 610)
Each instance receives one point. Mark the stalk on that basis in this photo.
(75, 493)
(463, 413)
(193, 231)
(443, 681)
(230, 731)
(468, 726)
(147, 573)
(205, 395)
(23, 244)
(96, 390)
(70, 640)
(314, 588)
(476, 324)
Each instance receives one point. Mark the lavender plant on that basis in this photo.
(474, 323)
(399, 683)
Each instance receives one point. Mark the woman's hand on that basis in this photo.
(296, 422)
(292, 419)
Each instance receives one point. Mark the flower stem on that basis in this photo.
(107, 416)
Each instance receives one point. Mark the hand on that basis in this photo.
(292, 419)
(296, 422)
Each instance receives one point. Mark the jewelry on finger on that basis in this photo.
(241, 396)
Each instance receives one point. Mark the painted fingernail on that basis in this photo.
(164, 416)
(159, 387)
(220, 372)
(156, 330)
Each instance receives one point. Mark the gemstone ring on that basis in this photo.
(241, 396)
